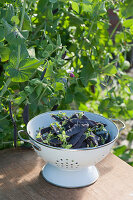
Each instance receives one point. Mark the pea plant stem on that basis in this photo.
(30, 5)
(18, 61)
(4, 89)
(14, 124)
(21, 25)
(23, 13)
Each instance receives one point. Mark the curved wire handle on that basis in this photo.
(118, 120)
(29, 141)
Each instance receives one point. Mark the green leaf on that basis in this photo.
(127, 23)
(59, 86)
(127, 8)
(15, 19)
(130, 136)
(68, 96)
(3, 123)
(35, 81)
(48, 91)
(15, 37)
(119, 37)
(9, 12)
(130, 105)
(42, 5)
(7, 27)
(74, 20)
(50, 14)
(30, 63)
(125, 65)
(27, 23)
(75, 6)
(45, 54)
(87, 72)
(14, 53)
(21, 98)
(49, 48)
(58, 40)
(25, 34)
(81, 97)
(131, 86)
(49, 71)
(28, 89)
(1, 33)
(25, 70)
(131, 29)
(102, 9)
(110, 70)
(39, 90)
(87, 8)
(44, 43)
(4, 53)
(119, 150)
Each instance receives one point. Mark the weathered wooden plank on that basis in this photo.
(20, 178)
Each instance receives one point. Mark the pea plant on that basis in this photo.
(57, 54)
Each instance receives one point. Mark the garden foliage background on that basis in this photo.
(59, 54)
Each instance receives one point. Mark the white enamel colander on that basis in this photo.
(70, 168)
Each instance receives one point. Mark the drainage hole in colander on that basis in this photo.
(72, 160)
(61, 159)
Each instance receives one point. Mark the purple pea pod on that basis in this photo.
(55, 142)
(56, 118)
(75, 138)
(59, 119)
(74, 116)
(84, 117)
(76, 129)
(80, 142)
(84, 144)
(46, 130)
(79, 121)
(90, 123)
(93, 139)
(68, 125)
(104, 138)
(55, 130)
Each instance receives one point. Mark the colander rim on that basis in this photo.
(79, 149)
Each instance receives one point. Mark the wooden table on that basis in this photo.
(20, 179)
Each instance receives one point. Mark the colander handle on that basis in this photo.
(118, 120)
(29, 141)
